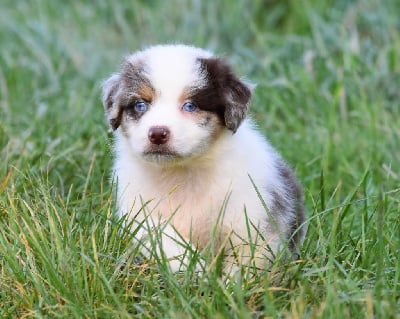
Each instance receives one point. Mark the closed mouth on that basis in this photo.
(160, 155)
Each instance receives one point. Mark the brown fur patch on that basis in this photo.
(204, 116)
(224, 94)
(146, 93)
(186, 95)
(122, 91)
(136, 85)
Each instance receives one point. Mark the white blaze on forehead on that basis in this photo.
(172, 68)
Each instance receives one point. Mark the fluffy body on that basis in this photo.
(194, 166)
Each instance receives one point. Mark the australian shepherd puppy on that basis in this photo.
(187, 157)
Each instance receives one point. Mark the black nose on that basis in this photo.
(159, 135)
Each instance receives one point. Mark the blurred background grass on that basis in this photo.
(328, 97)
(327, 73)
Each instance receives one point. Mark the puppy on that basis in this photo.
(188, 158)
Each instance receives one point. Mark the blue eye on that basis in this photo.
(141, 107)
(189, 107)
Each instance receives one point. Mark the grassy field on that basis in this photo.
(328, 98)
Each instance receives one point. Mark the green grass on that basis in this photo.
(328, 98)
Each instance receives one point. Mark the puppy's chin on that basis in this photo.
(164, 155)
(161, 155)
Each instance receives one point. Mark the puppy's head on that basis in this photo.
(172, 102)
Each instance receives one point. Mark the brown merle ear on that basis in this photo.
(234, 95)
(112, 109)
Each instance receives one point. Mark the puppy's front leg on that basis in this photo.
(165, 243)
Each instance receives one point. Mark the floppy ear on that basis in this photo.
(112, 109)
(235, 94)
